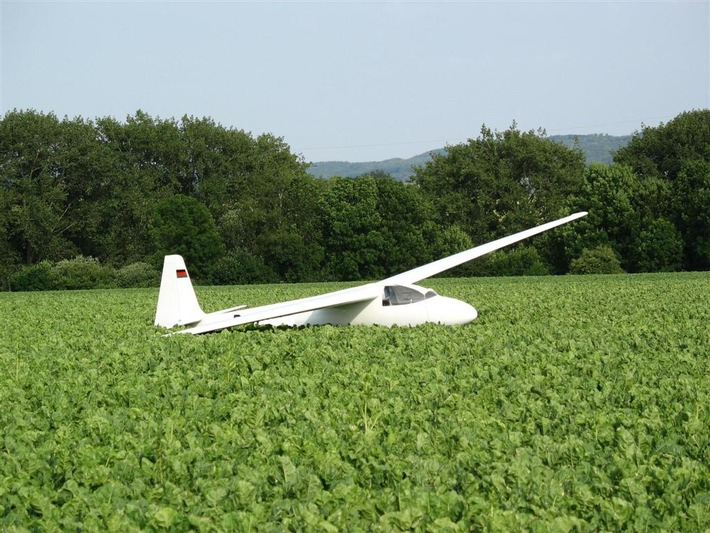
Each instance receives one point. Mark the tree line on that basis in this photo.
(597, 148)
(107, 199)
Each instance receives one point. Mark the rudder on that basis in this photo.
(177, 302)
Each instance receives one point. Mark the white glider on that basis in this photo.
(392, 301)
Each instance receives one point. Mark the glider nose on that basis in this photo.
(453, 312)
(466, 312)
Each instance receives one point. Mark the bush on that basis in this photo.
(241, 268)
(81, 273)
(659, 248)
(599, 260)
(138, 275)
(33, 278)
(519, 261)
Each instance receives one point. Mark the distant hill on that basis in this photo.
(398, 168)
(597, 147)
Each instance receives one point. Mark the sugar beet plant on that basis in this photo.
(571, 404)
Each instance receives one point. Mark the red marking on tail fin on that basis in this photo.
(181, 273)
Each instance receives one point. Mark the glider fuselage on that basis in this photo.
(420, 306)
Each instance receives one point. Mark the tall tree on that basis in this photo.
(663, 150)
(39, 184)
(501, 182)
(182, 225)
(671, 162)
(141, 156)
(405, 224)
(352, 234)
(212, 158)
(269, 210)
(625, 214)
(295, 249)
(691, 206)
(608, 194)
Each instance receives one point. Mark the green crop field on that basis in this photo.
(570, 404)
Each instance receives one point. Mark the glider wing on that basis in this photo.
(362, 293)
(431, 269)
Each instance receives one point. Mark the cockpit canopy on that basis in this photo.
(405, 294)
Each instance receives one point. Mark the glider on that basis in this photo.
(393, 301)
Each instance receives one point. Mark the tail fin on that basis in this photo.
(177, 303)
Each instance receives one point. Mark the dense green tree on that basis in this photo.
(294, 249)
(274, 215)
(90, 176)
(8, 256)
(671, 162)
(375, 226)
(152, 149)
(658, 247)
(626, 215)
(182, 225)
(691, 205)
(608, 194)
(404, 215)
(501, 182)
(261, 193)
(50, 172)
(352, 234)
(132, 187)
(293, 259)
(445, 241)
(37, 186)
(213, 159)
(661, 151)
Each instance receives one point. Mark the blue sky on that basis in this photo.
(362, 81)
